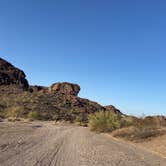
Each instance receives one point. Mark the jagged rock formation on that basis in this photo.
(60, 101)
(12, 75)
(57, 88)
(65, 88)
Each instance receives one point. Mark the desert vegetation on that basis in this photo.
(60, 102)
(142, 129)
(105, 121)
(127, 127)
(33, 115)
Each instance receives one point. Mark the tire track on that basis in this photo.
(68, 145)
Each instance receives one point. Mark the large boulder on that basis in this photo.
(65, 88)
(10, 75)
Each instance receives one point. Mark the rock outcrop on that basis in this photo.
(65, 88)
(11, 75)
(60, 101)
(113, 109)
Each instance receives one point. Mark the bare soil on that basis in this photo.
(156, 144)
(47, 144)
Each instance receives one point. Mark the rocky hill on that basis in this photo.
(60, 101)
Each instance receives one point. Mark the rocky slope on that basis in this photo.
(60, 101)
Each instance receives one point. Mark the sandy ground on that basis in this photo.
(47, 144)
(157, 145)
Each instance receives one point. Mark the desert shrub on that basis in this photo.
(14, 111)
(81, 120)
(2, 114)
(144, 133)
(105, 121)
(137, 134)
(75, 111)
(33, 115)
(148, 121)
(142, 128)
(123, 132)
(13, 119)
(10, 119)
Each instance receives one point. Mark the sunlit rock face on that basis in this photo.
(65, 88)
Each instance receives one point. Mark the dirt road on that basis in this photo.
(46, 144)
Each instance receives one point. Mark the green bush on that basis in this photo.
(33, 115)
(14, 112)
(104, 121)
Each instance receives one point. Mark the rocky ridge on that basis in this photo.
(60, 101)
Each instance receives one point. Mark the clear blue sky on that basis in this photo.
(115, 49)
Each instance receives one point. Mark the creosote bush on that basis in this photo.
(105, 121)
(33, 115)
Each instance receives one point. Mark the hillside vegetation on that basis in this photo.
(127, 127)
(60, 101)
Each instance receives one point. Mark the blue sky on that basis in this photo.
(114, 49)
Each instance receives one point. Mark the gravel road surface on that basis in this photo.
(47, 144)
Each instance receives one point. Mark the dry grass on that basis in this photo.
(14, 111)
(156, 144)
(138, 134)
(142, 129)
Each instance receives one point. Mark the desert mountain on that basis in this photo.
(60, 101)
